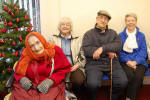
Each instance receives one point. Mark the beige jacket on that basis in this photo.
(77, 53)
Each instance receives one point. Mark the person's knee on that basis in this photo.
(121, 83)
(77, 77)
(93, 84)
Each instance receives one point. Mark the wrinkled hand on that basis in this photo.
(111, 55)
(45, 85)
(74, 68)
(97, 53)
(132, 64)
(25, 83)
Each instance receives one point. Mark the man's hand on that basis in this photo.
(97, 53)
(74, 68)
(111, 55)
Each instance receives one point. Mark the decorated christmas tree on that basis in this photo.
(14, 26)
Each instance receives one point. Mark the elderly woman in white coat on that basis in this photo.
(71, 46)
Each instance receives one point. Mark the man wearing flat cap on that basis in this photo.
(100, 45)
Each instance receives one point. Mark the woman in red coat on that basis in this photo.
(40, 71)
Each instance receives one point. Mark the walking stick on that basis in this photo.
(111, 79)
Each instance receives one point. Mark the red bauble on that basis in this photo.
(0, 55)
(2, 41)
(28, 29)
(20, 38)
(16, 28)
(16, 53)
(9, 69)
(25, 17)
(17, 20)
(12, 14)
(4, 30)
(14, 43)
(9, 10)
(5, 8)
(10, 24)
(5, 23)
(3, 54)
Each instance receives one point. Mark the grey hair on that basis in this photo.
(65, 19)
(131, 15)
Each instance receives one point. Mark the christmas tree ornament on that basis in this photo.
(3, 54)
(16, 28)
(17, 20)
(26, 17)
(16, 53)
(9, 11)
(12, 14)
(9, 69)
(20, 38)
(28, 29)
(5, 23)
(14, 43)
(4, 30)
(2, 42)
(0, 55)
(5, 8)
(10, 24)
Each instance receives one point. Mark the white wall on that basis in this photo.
(83, 13)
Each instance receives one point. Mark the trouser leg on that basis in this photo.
(135, 78)
(120, 81)
(94, 78)
(77, 78)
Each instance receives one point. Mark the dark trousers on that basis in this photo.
(135, 79)
(94, 81)
(75, 82)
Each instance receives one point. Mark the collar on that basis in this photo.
(68, 37)
(99, 30)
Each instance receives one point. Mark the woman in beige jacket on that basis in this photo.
(71, 46)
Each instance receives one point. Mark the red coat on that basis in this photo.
(61, 67)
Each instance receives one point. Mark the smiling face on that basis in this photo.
(102, 21)
(35, 45)
(65, 26)
(131, 23)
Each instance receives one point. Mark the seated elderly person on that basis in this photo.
(71, 46)
(40, 71)
(133, 55)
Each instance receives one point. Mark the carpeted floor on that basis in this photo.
(143, 94)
